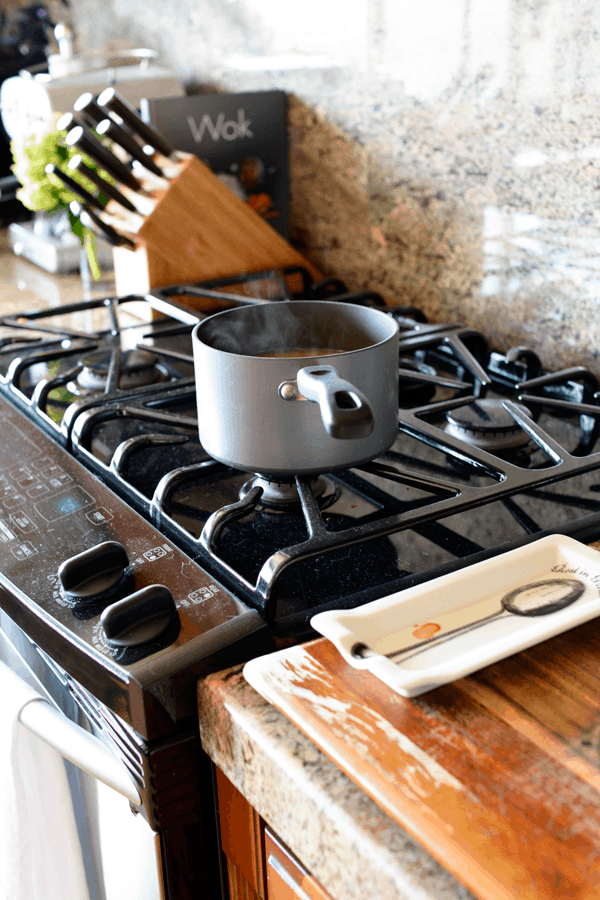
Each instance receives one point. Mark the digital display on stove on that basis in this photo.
(64, 504)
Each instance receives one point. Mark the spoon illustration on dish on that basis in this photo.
(540, 598)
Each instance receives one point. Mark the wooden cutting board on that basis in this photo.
(497, 775)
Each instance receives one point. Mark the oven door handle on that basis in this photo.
(70, 740)
(80, 747)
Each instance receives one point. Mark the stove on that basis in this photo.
(136, 563)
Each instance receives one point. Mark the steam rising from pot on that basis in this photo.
(286, 329)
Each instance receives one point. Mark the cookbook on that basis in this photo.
(241, 137)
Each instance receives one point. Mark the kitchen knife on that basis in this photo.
(74, 186)
(70, 120)
(90, 220)
(83, 139)
(114, 103)
(109, 129)
(76, 164)
(86, 106)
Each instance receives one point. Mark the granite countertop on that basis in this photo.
(342, 837)
(25, 286)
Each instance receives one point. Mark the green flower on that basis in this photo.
(42, 191)
(32, 155)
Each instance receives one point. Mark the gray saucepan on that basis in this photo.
(297, 388)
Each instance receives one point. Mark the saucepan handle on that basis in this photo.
(346, 412)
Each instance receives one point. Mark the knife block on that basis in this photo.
(200, 230)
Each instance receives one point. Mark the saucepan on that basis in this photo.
(297, 387)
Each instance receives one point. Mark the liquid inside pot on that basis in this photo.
(298, 351)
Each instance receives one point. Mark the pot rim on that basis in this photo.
(331, 304)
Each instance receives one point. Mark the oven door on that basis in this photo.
(67, 826)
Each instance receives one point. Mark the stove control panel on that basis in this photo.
(77, 554)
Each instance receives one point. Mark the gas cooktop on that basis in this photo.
(492, 451)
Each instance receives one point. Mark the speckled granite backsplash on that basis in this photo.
(444, 152)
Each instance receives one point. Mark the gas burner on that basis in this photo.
(487, 425)
(132, 369)
(283, 496)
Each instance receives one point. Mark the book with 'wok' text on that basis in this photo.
(242, 137)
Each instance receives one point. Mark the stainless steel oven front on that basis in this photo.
(68, 827)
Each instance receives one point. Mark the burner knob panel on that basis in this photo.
(96, 574)
(146, 616)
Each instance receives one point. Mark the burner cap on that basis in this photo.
(137, 367)
(283, 496)
(488, 425)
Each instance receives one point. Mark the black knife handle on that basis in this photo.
(90, 220)
(76, 164)
(74, 186)
(70, 120)
(86, 106)
(113, 102)
(83, 138)
(109, 129)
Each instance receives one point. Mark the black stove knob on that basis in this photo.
(96, 575)
(148, 615)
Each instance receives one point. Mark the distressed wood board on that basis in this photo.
(497, 775)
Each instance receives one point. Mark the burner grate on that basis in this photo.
(446, 499)
(419, 490)
(439, 498)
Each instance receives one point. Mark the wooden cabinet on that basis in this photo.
(243, 842)
(287, 879)
(259, 865)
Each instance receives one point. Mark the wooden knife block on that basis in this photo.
(200, 230)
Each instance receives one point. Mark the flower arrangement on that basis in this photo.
(42, 191)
